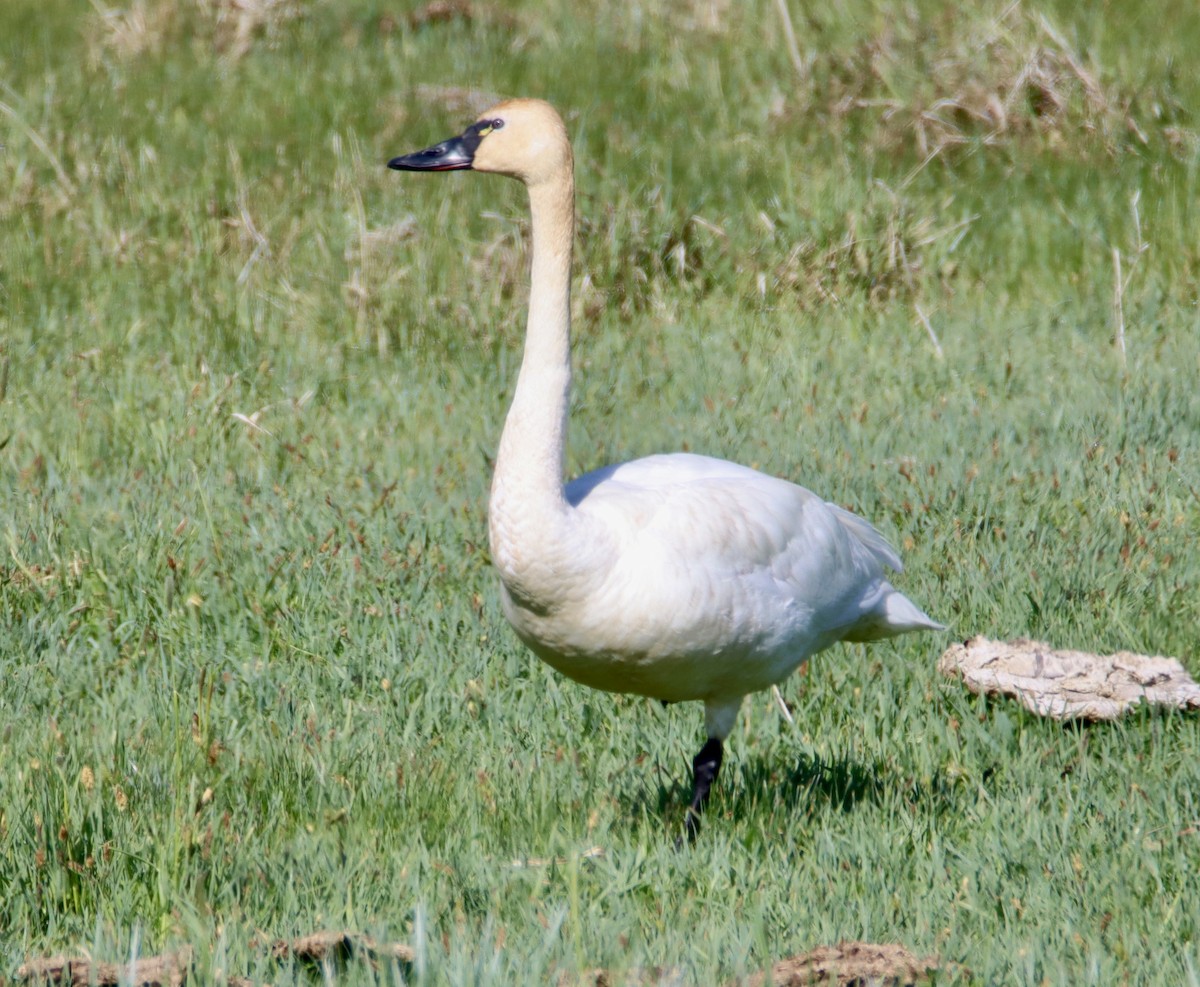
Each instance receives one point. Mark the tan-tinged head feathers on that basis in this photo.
(524, 138)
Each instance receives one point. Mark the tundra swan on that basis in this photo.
(677, 576)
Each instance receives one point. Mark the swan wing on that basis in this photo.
(675, 475)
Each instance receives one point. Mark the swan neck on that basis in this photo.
(528, 507)
(548, 329)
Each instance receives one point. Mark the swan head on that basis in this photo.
(522, 138)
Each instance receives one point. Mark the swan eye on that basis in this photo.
(474, 134)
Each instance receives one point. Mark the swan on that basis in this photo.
(678, 576)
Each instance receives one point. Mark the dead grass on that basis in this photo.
(633, 250)
(240, 24)
(439, 12)
(933, 85)
(230, 27)
(132, 31)
(884, 252)
(713, 17)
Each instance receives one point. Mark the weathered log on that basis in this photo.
(1069, 684)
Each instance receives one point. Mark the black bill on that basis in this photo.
(454, 154)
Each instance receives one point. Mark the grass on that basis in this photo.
(253, 676)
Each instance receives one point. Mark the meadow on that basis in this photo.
(936, 261)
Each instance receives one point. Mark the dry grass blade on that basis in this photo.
(789, 37)
(591, 853)
(937, 345)
(39, 142)
(1118, 304)
(783, 706)
(1121, 280)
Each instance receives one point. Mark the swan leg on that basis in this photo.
(719, 718)
(705, 767)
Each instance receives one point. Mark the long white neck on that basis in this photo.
(528, 513)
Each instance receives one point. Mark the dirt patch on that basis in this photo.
(441, 11)
(1069, 685)
(848, 964)
(323, 945)
(171, 969)
(167, 970)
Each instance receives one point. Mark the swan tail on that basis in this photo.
(895, 614)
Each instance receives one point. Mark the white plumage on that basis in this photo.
(679, 577)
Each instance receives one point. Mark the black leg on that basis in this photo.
(705, 767)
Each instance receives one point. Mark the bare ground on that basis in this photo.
(848, 964)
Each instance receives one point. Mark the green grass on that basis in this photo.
(254, 680)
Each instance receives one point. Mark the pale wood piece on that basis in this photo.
(1067, 684)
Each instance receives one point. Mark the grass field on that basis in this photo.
(254, 680)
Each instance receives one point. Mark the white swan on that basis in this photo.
(674, 576)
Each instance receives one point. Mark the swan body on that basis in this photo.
(696, 578)
(679, 577)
